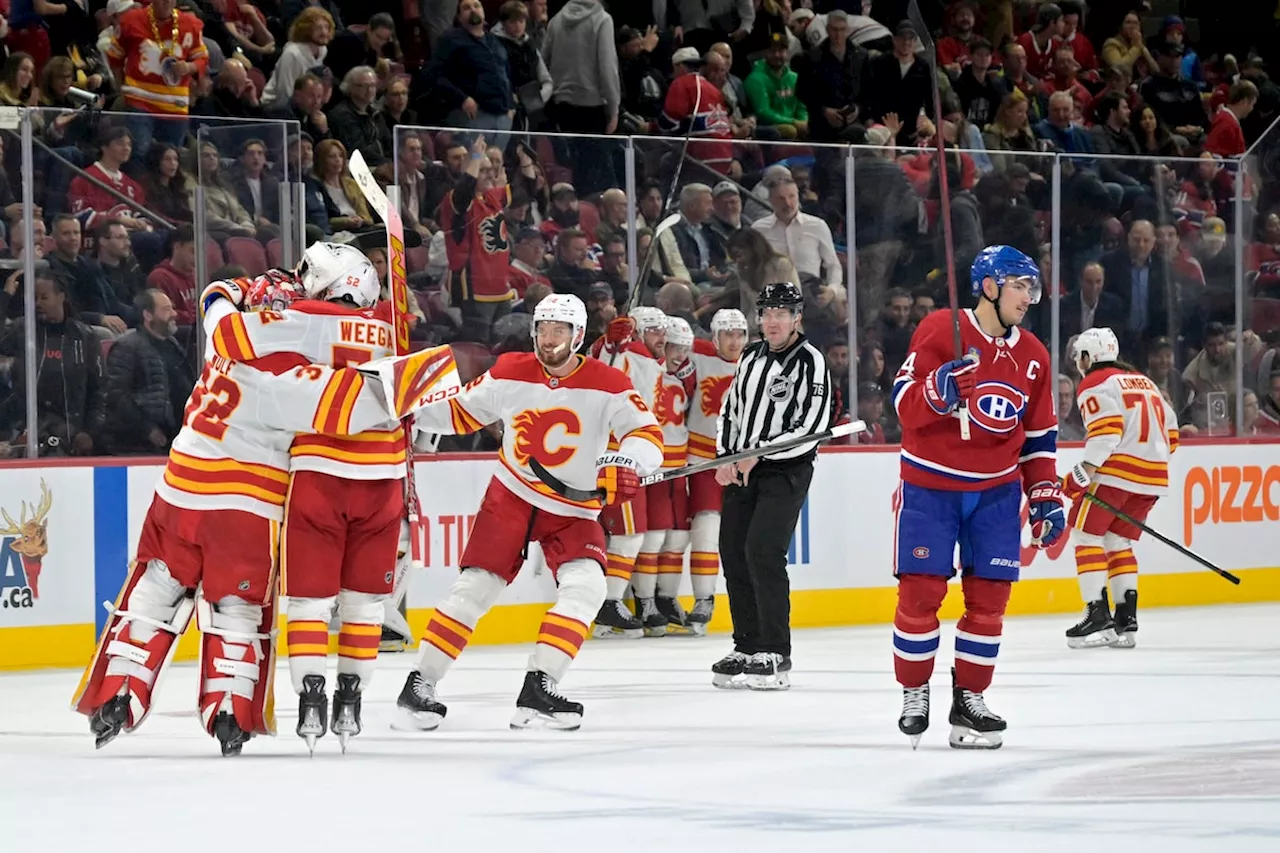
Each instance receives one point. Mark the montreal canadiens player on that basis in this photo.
(969, 493)
(1132, 432)
(561, 408)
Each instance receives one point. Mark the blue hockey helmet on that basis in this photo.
(1003, 263)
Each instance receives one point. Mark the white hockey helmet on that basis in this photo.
(336, 271)
(728, 320)
(647, 318)
(1099, 344)
(678, 332)
(562, 308)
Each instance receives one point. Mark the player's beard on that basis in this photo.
(554, 357)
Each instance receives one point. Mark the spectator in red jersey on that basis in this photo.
(954, 48)
(1042, 40)
(1073, 35)
(91, 203)
(709, 126)
(477, 244)
(1064, 78)
(176, 275)
(1226, 139)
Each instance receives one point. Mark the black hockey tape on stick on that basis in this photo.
(558, 486)
(1155, 534)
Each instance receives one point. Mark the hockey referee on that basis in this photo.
(780, 390)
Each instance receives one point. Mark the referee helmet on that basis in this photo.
(780, 295)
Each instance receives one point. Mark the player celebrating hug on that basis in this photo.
(1132, 432)
(969, 493)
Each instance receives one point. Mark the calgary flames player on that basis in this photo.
(561, 408)
(214, 524)
(714, 363)
(634, 345)
(346, 504)
(1132, 432)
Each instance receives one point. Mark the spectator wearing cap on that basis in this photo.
(1174, 29)
(530, 81)
(1073, 35)
(694, 107)
(979, 88)
(601, 309)
(308, 45)
(871, 412)
(1226, 138)
(692, 252)
(771, 90)
(642, 84)
(1043, 39)
(810, 30)
(376, 47)
(1175, 101)
(468, 74)
(114, 9)
(832, 81)
(527, 252)
(955, 48)
(700, 23)
(1217, 258)
(901, 85)
(564, 213)
(304, 106)
(726, 213)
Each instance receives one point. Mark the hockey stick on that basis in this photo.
(1155, 534)
(944, 193)
(399, 286)
(566, 491)
(633, 299)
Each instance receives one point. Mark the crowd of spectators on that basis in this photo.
(739, 114)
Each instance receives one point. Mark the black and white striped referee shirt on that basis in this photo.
(776, 396)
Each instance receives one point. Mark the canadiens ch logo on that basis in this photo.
(532, 429)
(22, 551)
(997, 407)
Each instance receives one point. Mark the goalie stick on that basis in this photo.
(399, 287)
(1157, 535)
(566, 491)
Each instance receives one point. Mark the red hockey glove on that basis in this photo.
(273, 291)
(617, 477)
(1075, 483)
(619, 331)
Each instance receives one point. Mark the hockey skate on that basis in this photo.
(677, 621)
(230, 736)
(914, 719)
(768, 671)
(655, 623)
(729, 673)
(313, 709)
(346, 708)
(1096, 629)
(109, 720)
(615, 620)
(541, 706)
(973, 726)
(700, 615)
(1126, 621)
(417, 709)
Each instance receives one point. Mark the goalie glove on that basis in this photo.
(617, 478)
(228, 289)
(1047, 515)
(1075, 483)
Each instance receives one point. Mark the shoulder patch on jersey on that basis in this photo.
(997, 407)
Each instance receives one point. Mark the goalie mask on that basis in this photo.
(336, 272)
(275, 290)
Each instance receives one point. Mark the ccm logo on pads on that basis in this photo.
(1229, 494)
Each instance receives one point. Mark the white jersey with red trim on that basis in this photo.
(671, 407)
(565, 422)
(324, 333)
(636, 363)
(1131, 430)
(713, 375)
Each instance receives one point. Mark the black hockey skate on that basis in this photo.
(541, 706)
(109, 720)
(417, 709)
(1096, 629)
(655, 623)
(313, 710)
(914, 720)
(615, 620)
(729, 673)
(1127, 621)
(346, 708)
(700, 615)
(973, 726)
(677, 621)
(230, 736)
(768, 671)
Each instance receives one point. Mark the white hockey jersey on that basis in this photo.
(713, 375)
(1132, 431)
(324, 333)
(565, 422)
(671, 408)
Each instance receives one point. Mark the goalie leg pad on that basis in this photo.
(237, 663)
(978, 632)
(622, 552)
(568, 622)
(307, 635)
(360, 634)
(671, 562)
(137, 643)
(916, 629)
(449, 629)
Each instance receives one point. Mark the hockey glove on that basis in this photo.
(1048, 518)
(617, 478)
(1075, 483)
(619, 331)
(950, 383)
(227, 289)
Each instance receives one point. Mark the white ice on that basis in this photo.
(1173, 746)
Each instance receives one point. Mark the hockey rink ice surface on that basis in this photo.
(1173, 746)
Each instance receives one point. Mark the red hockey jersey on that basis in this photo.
(92, 205)
(695, 107)
(1013, 429)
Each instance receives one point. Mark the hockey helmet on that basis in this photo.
(647, 318)
(562, 308)
(780, 295)
(678, 332)
(1003, 263)
(1100, 344)
(336, 271)
(728, 320)
(275, 290)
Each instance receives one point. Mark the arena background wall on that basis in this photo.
(1224, 502)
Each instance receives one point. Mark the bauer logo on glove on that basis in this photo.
(617, 478)
(1047, 516)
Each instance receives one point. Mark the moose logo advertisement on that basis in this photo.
(22, 551)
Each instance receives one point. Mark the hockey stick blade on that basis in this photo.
(564, 490)
(1155, 534)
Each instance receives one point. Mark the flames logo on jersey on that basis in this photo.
(669, 403)
(997, 407)
(493, 233)
(711, 393)
(532, 429)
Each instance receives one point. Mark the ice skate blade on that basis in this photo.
(342, 741)
(1096, 640)
(963, 737)
(392, 646)
(1127, 640)
(528, 718)
(656, 632)
(779, 681)
(604, 632)
(697, 629)
(729, 682)
(311, 744)
(915, 742)
(407, 720)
